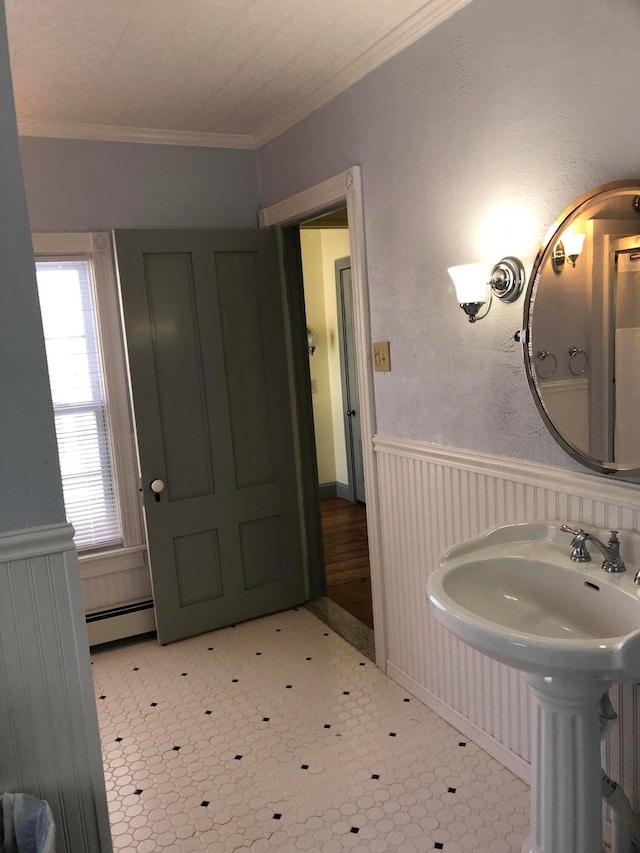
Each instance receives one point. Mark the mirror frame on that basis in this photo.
(546, 248)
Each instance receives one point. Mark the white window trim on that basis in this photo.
(98, 246)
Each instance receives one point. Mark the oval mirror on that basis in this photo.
(582, 317)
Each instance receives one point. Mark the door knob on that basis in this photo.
(156, 487)
(351, 412)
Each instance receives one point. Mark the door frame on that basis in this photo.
(346, 188)
(340, 265)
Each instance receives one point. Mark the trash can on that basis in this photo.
(26, 824)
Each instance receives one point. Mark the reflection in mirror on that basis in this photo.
(582, 317)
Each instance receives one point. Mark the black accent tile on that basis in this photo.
(278, 630)
(103, 697)
(204, 803)
(118, 739)
(277, 816)
(258, 654)
(345, 692)
(355, 829)
(304, 767)
(325, 635)
(136, 668)
(210, 649)
(462, 743)
(439, 845)
(234, 680)
(208, 713)
(375, 775)
(452, 790)
(265, 719)
(138, 791)
(176, 749)
(237, 757)
(362, 664)
(327, 725)
(406, 700)
(289, 686)
(393, 734)
(153, 705)
(183, 674)
(307, 658)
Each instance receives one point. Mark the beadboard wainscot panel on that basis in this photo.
(433, 497)
(112, 578)
(49, 741)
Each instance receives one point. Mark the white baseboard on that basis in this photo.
(120, 626)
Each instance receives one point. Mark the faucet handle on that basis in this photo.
(566, 529)
(579, 551)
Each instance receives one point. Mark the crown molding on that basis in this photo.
(417, 25)
(151, 136)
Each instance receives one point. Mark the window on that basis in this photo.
(78, 303)
(69, 318)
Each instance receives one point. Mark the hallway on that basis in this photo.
(277, 736)
(346, 557)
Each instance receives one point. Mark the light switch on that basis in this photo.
(381, 356)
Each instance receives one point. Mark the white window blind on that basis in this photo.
(67, 303)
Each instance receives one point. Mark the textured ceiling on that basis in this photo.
(207, 66)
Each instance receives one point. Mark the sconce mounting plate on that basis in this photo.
(507, 278)
(558, 257)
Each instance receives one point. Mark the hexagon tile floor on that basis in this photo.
(276, 735)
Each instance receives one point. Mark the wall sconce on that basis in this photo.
(569, 248)
(475, 284)
(311, 341)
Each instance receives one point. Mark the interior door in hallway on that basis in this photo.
(348, 370)
(205, 332)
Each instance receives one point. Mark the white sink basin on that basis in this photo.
(514, 594)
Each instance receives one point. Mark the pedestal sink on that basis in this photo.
(514, 594)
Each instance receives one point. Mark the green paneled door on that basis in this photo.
(205, 333)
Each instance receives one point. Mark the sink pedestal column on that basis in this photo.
(566, 805)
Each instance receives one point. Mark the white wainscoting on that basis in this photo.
(113, 578)
(49, 741)
(432, 497)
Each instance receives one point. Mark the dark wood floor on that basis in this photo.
(346, 555)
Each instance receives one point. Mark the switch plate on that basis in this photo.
(381, 356)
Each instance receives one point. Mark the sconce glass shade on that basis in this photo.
(567, 249)
(471, 282)
(573, 244)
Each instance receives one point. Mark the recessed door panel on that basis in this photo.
(261, 552)
(179, 374)
(240, 313)
(198, 570)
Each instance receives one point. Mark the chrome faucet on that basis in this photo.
(612, 562)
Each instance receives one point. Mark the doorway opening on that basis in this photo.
(328, 300)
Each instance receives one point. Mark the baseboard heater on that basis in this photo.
(117, 623)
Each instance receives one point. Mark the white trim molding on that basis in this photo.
(433, 497)
(346, 187)
(146, 135)
(428, 17)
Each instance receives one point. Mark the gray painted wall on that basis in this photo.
(505, 113)
(78, 185)
(30, 488)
